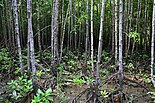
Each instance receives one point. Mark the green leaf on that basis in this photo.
(40, 92)
(48, 92)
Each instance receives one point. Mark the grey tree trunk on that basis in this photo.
(54, 31)
(145, 25)
(87, 31)
(92, 38)
(152, 45)
(17, 34)
(31, 41)
(38, 29)
(116, 33)
(63, 34)
(113, 24)
(100, 42)
(120, 49)
(130, 25)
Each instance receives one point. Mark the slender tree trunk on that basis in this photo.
(120, 49)
(54, 31)
(130, 25)
(92, 38)
(17, 34)
(113, 24)
(8, 25)
(4, 22)
(100, 43)
(71, 21)
(116, 33)
(63, 34)
(145, 25)
(126, 26)
(31, 41)
(12, 36)
(38, 30)
(87, 30)
(137, 24)
(152, 45)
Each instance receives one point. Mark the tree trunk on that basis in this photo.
(116, 33)
(92, 38)
(17, 34)
(38, 29)
(63, 34)
(130, 25)
(87, 31)
(31, 41)
(54, 31)
(100, 42)
(120, 49)
(113, 24)
(152, 45)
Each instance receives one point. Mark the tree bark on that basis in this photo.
(31, 41)
(120, 49)
(92, 38)
(54, 31)
(17, 34)
(152, 45)
(38, 29)
(116, 33)
(100, 42)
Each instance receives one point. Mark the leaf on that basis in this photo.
(48, 92)
(40, 92)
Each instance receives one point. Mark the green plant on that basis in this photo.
(146, 78)
(104, 71)
(78, 81)
(104, 93)
(39, 73)
(130, 66)
(88, 79)
(105, 56)
(19, 88)
(5, 60)
(43, 97)
(135, 36)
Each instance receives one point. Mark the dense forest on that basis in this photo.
(77, 51)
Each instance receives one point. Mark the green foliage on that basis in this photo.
(104, 93)
(104, 71)
(135, 36)
(130, 66)
(43, 97)
(105, 55)
(78, 81)
(39, 73)
(19, 88)
(146, 78)
(5, 60)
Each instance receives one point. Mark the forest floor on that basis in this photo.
(70, 85)
(133, 91)
(138, 93)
